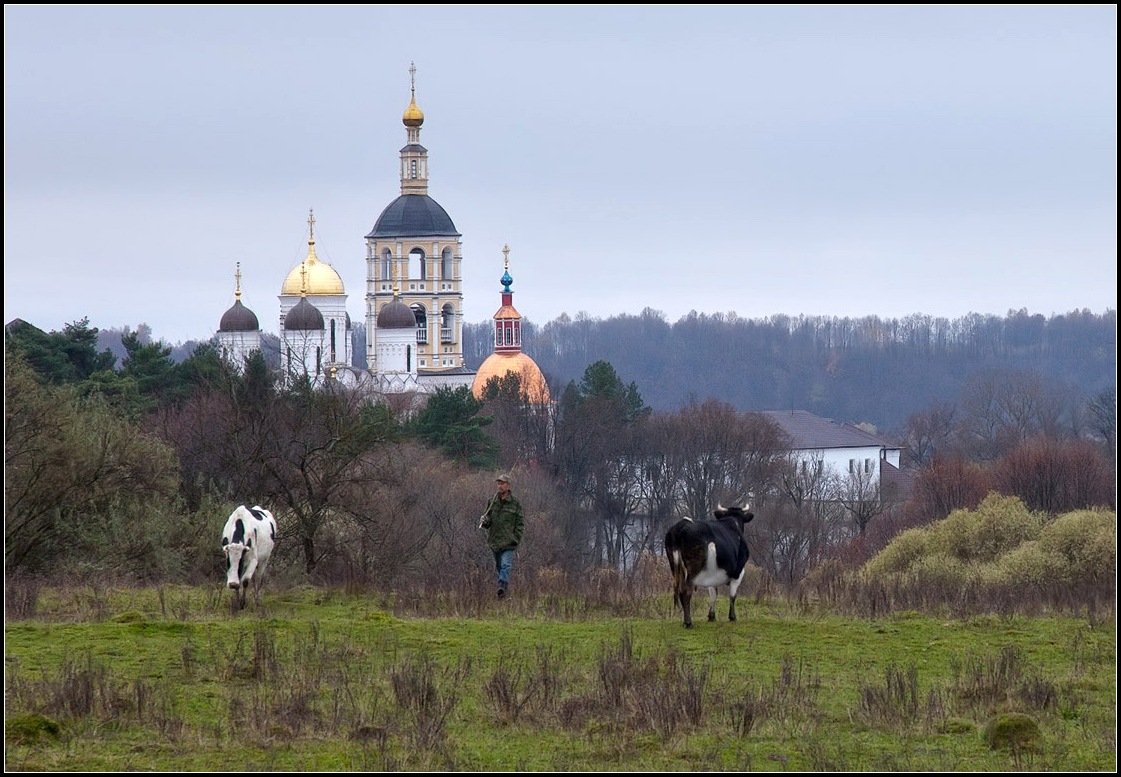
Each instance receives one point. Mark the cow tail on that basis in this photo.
(680, 575)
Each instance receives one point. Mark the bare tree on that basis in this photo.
(929, 432)
(858, 493)
(1002, 408)
(1057, 476)
(949, 483)
(1103, 409)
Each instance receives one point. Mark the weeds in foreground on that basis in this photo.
(348, 687)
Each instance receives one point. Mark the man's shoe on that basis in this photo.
(501, 593)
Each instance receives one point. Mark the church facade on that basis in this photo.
(413, 297)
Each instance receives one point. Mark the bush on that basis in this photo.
(1027, 566)
(1012, 731)
(900, 554)
(1082, 546)
(30, 728)
(996, 526)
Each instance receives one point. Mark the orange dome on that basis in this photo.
(498, 364)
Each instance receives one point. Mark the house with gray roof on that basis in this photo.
(844, 449)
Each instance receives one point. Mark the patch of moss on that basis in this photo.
(1013, 731)
(30, 727)
(957, 726)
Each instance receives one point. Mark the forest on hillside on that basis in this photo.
(868, 370)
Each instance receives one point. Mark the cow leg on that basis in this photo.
(712, 603)
(686, 596)
(733, 586)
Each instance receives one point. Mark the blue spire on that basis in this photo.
(506, 279)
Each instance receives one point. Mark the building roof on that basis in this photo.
(497, 365)
(303, 317)
(414, 215)
(895, 482)
(811, 432)
(239, 319)
(396, 315)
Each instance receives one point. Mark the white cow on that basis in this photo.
(248, 541)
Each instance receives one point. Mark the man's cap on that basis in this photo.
(503, 478)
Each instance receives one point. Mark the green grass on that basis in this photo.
(168, 679)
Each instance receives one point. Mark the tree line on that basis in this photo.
(863, 370)
(102, 460)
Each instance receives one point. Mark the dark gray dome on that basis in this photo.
(303, 317)
(413, 215)
(396, 315)
(239, 319)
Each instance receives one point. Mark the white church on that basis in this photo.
(414, 298)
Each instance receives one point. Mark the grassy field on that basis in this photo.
(169, 679)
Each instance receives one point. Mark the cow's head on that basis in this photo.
(742, 515)
(240, 562)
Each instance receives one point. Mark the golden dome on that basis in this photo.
(413, 116)
(498, 364)
(321, 277)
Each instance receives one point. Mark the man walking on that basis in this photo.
(505, 524)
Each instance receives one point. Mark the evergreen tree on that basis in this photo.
(451, 422)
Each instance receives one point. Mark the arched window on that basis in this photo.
(447, 324)
(386, 265)
(421, 323)
(447, 265)
(416, 264)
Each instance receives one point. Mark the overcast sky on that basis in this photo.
(822, 160)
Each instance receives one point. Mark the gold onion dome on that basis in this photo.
(499, 364)
(321, 278)
(413, 117)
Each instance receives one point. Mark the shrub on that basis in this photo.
(1012, 731)
(996, 526)
(900, 554)
(1082, 546)
(30, 727)
(1027, 566)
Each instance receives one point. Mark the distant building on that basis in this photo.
(239, 331)
(508, 356)
(844, 450)
(414, 299)
(320, 345)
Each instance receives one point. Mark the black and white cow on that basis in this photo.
(247, 541)
(707, 554)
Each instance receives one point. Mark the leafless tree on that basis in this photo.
(1002, 408)
(949, 483)
(929, 432)
(859, 494)
(1057, 476)
(1103, 409)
